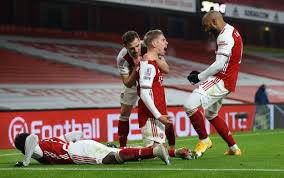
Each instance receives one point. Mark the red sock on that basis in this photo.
(170, 134)
(123, 130)
(172, 152)
(131, 154)
(223, 130)
(197, 121)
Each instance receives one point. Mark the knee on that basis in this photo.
(188, 106)
(209, 115)
(124, 118)
(189, 109)
(192, 103)
(125, 110)
(112, 158)
(191, 112)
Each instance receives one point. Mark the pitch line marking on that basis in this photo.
(11, 154)
(140, 169)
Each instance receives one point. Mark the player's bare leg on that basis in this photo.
(123, 124)
(170, 135)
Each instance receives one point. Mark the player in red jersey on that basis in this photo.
(218, 80)
(127, 60)
(152, 109)
(70, 149)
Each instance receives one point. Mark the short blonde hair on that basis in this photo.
(151, 35)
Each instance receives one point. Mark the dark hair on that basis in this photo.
(151, 35)
(20, 141)
(129, 36)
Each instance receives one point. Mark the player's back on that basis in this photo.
(229, 43)
(54, 151)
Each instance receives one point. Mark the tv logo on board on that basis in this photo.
(17, 126)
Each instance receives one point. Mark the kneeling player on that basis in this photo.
(70, 149)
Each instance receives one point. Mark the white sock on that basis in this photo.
(206, 140)
(234, 147)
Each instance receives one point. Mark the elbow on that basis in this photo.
(221, 68)
(218, 67)
(128, 85)
(143, 95)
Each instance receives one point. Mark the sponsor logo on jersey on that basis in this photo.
(146, 78)
(148, 72)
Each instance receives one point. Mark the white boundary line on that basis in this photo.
(11, 154)
(140, 169)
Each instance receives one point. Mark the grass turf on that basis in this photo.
(264, 50)
(263, 156)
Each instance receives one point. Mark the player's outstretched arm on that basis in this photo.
(163, 65)
(30, 145)
(214, 68)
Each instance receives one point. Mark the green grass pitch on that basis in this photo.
(263, 156)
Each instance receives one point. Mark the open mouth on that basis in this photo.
(165, 49)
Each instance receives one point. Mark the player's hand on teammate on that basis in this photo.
(137, 60)
(19, 164)
(166, 119)
(193, 77)
(111, 145)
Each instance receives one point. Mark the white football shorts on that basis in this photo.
(209, 95)
(212, 92)
(89, 152)
(128, 96)
(153, 131)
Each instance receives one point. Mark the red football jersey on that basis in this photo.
(229, 43)
(148, 75)
(53, 152)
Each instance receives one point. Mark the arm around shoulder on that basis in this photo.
(163, 65)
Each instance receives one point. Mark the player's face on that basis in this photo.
(134, 48)
(210, 28)
(161, 45)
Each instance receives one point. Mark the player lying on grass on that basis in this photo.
(70, 149)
